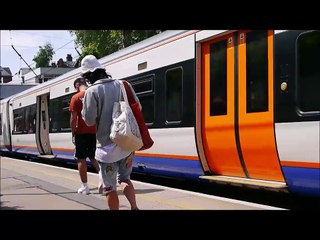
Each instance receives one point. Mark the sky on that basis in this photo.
(27, 43)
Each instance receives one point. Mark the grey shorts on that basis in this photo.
(110, 173)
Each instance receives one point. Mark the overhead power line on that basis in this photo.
(55, 50)
(24, 60)
(20, 55)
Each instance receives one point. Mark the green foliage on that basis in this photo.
(44, 55)
(104, 42)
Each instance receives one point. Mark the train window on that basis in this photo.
(144, 88)
(30, 124)
(308, 52)
(65, 118)
(174, 95)
(147, 103)
(143, 84)
(32, 118)
(26, 125)
(257, 71)
(59, 114)
(18, 121)
(54, 110)
(218, 78)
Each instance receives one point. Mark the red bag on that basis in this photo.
(144, 131)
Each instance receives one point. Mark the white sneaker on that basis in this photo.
(84, 190)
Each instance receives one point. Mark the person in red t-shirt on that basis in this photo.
(83, 136)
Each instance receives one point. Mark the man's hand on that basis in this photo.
(73, 140)
(129, 160)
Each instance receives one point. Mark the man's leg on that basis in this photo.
(82, 167)
(95, 164)
(129, 192)
(108, 174)
(113, 200)
(127, 187)
(80, 155)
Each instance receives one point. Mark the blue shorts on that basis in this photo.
(111, 172)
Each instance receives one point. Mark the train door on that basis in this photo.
(218, 112)
(42, 129)
(5, 143)
(237, 125)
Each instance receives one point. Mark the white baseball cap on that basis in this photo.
(89, 64)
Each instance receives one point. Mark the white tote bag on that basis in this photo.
(124, 128)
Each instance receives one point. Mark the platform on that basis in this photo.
(28, 185)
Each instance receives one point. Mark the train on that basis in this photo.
(239, 107)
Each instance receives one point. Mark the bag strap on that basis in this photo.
(129, 92)
(120, 93)
(124, 94)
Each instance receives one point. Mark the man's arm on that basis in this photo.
(73, 118)
(73, 122)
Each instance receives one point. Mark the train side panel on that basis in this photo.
(157, 56)
(62, 146)
(60, 131)
(174, 156)
(298, 147)
(23, 122)
(297, 109)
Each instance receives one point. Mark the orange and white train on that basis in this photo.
(235, 106)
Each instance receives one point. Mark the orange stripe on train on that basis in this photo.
(300, 164)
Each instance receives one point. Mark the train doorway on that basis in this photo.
(237, 124)
(42, 129)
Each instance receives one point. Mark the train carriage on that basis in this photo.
(232, 106)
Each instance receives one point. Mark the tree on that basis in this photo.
(104, 42)
(44, 55)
